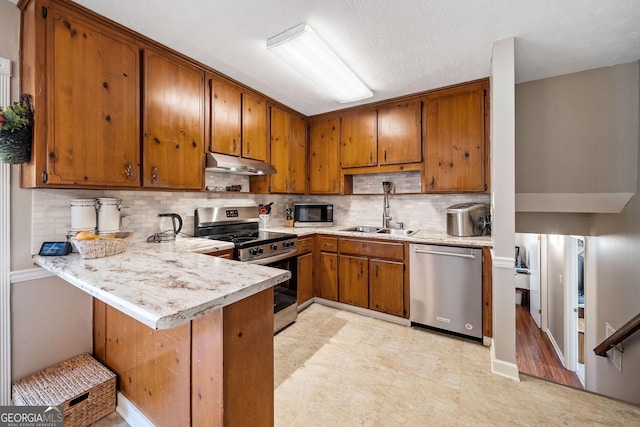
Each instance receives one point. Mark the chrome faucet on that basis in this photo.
(386, 218)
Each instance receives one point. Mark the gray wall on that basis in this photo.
(613, 295)
(586, 139)
(578, 133)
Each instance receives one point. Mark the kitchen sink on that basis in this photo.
(363, 229)
(380, 230)
(397, 231)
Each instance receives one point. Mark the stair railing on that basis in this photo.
(628, 329)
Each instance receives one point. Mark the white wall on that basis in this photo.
(503, 206)
(556, 289)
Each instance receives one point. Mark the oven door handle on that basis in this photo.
(272, 259)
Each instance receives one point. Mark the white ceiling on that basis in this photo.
(397, 47)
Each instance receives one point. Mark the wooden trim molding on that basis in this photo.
(29, 274)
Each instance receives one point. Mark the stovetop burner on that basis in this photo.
(240, 227)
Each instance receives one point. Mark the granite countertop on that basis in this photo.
(163, 285)
(426, 236)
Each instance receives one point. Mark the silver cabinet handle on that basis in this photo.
(470, 256)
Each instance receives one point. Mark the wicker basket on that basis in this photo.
(111, 244)
(15, 147)
(85, 389)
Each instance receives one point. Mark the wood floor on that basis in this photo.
(535, 353)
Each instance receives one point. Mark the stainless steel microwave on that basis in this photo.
(312, 215)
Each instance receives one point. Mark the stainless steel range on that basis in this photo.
(239, 225)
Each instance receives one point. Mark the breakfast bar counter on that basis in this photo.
(164, 285)
(190, 336)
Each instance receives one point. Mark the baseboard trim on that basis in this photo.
(502, 368)
(363, 311)
(555, 346)
(130, 413)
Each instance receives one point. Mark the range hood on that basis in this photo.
(223, 163)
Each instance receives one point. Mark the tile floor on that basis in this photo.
(335, 368)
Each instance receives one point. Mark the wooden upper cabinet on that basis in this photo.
(400, 134)
(238, 120)
(90, 126)
(225, 117)
(359, 140)
(455, 140)
(288, 152)
(298, 157)
(173, 148)
(280, 152)
(324, 168)
(254, 126)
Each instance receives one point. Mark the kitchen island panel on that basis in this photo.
(153, 367)
(238, 391)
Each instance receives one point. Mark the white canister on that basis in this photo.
(83, 215)
(108, 215)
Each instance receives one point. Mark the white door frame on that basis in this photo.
(544, 282)
(5, 252)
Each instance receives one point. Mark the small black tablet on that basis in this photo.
(55, 248)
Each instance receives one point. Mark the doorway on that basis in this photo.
(550, 313)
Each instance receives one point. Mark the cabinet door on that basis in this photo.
(329, 276)
(298, 156)
(225, 117)
(353, 282)
(174, 123)
(358, 140)
(94, 108)
(280, 150)
(305, 278)
(400, 134)
(254, 126)
(386, 281)
(324, 170)
(455, 141)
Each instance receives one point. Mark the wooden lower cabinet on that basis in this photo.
(353, 280)
(487, 294)
(305, 278)
(386, 286)
(372, 275)
(215, 370)
(224, 253)
(328, 278)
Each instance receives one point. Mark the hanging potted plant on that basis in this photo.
(16, 122)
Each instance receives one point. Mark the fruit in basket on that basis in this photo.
(86, 235)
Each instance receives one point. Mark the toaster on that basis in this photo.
(468, 219)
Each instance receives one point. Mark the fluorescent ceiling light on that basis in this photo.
(301, 47)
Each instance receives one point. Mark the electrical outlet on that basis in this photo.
(614, 355)
(560, 276)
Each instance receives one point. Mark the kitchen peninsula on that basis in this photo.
(189, 335)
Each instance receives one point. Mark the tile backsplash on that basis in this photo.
(51, 219)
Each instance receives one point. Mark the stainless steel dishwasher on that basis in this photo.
(446, 288)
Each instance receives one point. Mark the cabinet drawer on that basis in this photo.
(225, 253)
(386, 250)
(328, 244)
(305, 245)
